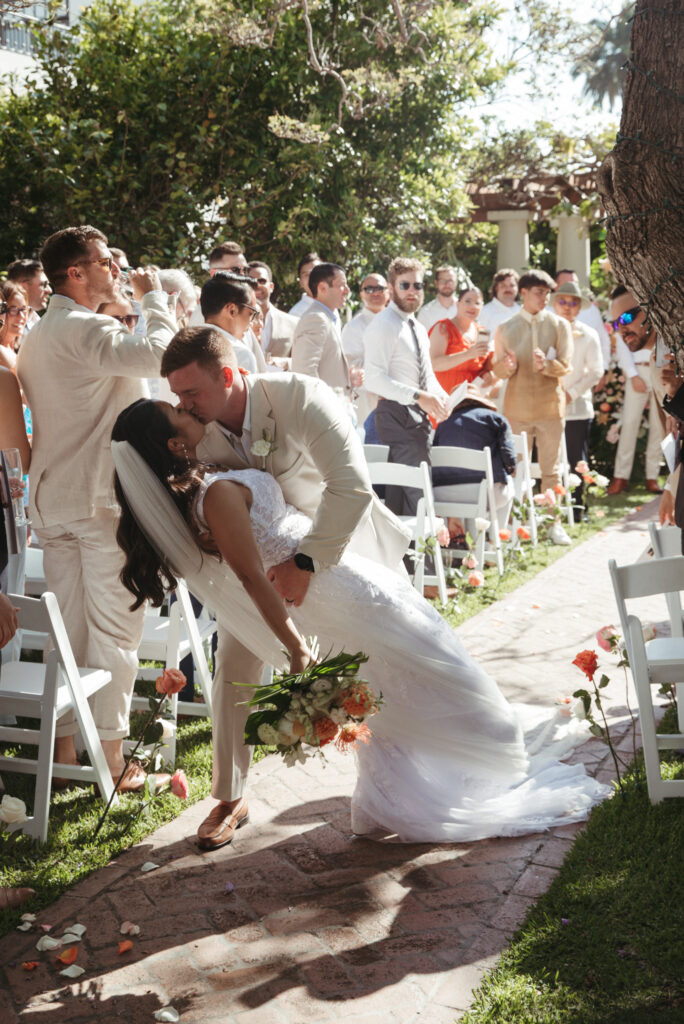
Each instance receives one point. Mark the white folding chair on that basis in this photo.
(422, 525)
(376, 452)
(523, 486)
(169, 638)
(34, 574)
(667, 543)
(663, 656)
(536, 473)
(47, 692)
(470, 501)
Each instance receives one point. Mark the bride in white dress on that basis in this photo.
(450, 760)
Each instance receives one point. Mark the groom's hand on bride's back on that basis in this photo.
(290, 582)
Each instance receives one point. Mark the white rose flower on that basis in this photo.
(482, 524)
(577, 709)
(285, 729)
(321, 686)
(602, 481)
(261, 448)
(12, 810)
(267, 734)
(574, 480)
(338, 715)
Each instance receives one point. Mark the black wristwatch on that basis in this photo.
(304, 562)
(416, 395)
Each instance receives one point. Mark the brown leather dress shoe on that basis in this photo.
(617, 485)
(218, 828)
(652, 487)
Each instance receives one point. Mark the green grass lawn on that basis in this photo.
(605, 944)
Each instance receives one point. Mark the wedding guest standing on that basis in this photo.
(14, 310)
(79, 370)
(455, 350)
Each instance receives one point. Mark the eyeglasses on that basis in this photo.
(130, 320)
(255, 312)
(562, 301)
(373, 288)
(102, 261)
(404, 286)
(15, 310)
(626, 318)
(260, 280)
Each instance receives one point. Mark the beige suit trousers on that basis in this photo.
(232, 756)
(632, 412)
(82, 564)
(548, 435)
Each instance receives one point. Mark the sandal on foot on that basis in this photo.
(11, 898)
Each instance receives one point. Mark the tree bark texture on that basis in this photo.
(641, 181)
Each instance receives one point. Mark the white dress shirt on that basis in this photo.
(243, 353)
(302, 306)
(494, 313)
(433, 311)
(391, 362)
(586, 371)
(241, 442)
(591, 316)
(352, 336)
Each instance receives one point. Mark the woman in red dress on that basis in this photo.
(456, 351)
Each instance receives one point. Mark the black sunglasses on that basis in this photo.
(405, 285)
(626, 318)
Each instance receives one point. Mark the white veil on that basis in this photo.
(209, 579)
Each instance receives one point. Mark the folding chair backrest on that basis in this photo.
(645, 579)
(397, 474)
(666, 540)
(42, 614)
(376, 452)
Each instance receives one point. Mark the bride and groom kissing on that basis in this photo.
(269, 472)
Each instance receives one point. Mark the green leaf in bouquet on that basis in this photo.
(153, 733)
(256, 719)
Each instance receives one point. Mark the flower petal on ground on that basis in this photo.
(128, 928)
(167, 1013)
(25, 927)
(74, 971)
(229, 887)
(47, 942)
(149, 866)
(29, 965)
(68, 956)
(28, 917)
(125, 946)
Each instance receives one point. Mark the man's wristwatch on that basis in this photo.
(416, 395)
(304, 562)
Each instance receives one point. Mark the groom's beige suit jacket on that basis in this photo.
(318, 461)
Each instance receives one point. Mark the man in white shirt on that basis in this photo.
(31, 276)
(639, 337)
(228, 303)
(79, 371)
(308, 261)
(399, 371)
(374, 296)
(590, 315)
(443, 307)
(317, 345)
(278, 330)
(503, 305)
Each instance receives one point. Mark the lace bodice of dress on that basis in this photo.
(278, 527)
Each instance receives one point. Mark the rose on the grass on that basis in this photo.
(601, 481)
(582, 467)
(12, 810)
(559, 489)
(574, 480)
(504, 535)
(443, 538)
(179, 784)
(523, 533)
(470, 562)
(587, 661)
(482, 524)
(545, 500)
(475, 578)
(170, 681)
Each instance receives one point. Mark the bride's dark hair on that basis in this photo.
(146, 574)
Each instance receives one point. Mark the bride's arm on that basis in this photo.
(226, 510)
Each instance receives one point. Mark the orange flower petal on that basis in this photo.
(29, 965)
(125, 946)
(69, 955)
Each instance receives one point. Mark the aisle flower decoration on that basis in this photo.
(301, 713)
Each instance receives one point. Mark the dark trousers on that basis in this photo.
(577, 443)
(406, 429)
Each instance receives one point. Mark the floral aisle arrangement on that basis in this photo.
(300, 713)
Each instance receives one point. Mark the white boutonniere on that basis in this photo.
(263, 448)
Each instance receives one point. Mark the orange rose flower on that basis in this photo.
(170, 681)
(504, 535)
(325, 730)
(559, 489)
(523, 533)
(351, 734)
(587, 661)
(359, 703)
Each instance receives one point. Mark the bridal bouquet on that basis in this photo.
(325, 703)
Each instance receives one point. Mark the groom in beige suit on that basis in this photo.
(311, 449)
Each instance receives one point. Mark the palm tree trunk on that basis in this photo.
(641, 181)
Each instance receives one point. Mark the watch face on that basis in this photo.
(304, 562)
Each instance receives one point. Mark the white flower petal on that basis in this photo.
(28, 917)
(149, 866)
(128, 928)
(69, 938)
(74, 971)
(77, 929)
(47, 942)
(25, 927)
(167, 1013)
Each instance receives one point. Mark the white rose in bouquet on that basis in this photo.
(268, 735)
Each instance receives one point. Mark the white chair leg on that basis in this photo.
(38, 827)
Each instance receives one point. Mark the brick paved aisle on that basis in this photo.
(319, 925)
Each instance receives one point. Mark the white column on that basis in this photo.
(513, 247)
(572, 250)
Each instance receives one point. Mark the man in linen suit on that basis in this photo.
(317, 345)
(279, 327)
(78, 371)
(318, 461)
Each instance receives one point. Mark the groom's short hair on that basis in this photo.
(202, 345)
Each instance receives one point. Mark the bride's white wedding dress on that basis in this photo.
(450, 758)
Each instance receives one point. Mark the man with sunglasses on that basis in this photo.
(642, 386)
(228, 303)
(79, 371)
(399, 370)
(279, 327)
